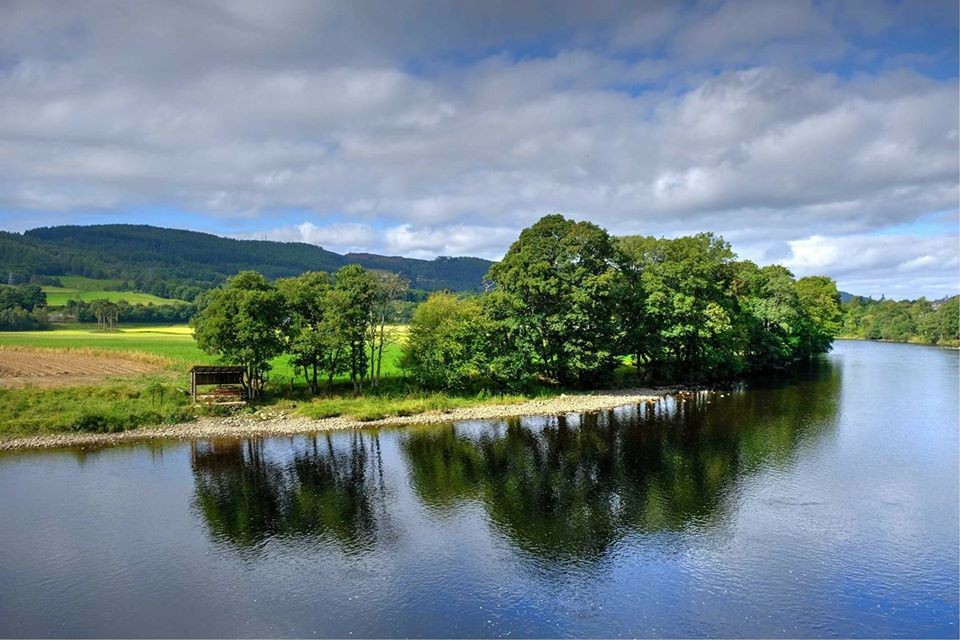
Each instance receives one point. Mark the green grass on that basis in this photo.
(173, 342)
(83, 283)
(59, 296)
(115, 406)
(89, 289)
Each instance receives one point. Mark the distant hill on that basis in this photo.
(846, 297)
(172, 263)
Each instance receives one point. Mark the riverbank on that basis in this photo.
(278, 423)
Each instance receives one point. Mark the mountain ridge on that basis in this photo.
(157, 259)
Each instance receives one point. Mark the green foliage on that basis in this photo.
(311, 337)
(770, 314)
(351, 307)
(903, 321)
(685, 324)
(822, 315)
(464, 343)
(441, 345)
(560, 278)
(242, 324)
(174, 313)
(22, 308)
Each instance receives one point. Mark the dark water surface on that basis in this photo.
(825, 505)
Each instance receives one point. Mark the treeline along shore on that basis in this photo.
(569, 307)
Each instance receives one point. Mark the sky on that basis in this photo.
(820, 135)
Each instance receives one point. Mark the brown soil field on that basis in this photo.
(68, 367)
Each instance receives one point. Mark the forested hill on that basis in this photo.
(169, 261)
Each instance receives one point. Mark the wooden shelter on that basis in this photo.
(230, 388)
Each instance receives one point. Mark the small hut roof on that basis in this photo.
(216, 369)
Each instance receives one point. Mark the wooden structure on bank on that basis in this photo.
(229, 389)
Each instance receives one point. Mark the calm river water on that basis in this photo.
(822, 505)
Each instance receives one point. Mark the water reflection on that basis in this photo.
(331, 488)
(564, 489)
(568, 488)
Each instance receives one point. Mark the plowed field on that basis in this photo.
(51, 368)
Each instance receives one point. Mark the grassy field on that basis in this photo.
(152, 399)
(89, 289)
(111, 407)
(174, 342)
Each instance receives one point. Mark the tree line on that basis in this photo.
(101, 309)
(930, 322)
(567, 305)
(329, 325)
(22, 308)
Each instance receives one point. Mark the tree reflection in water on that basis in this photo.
(569, 488)
(247, 496)
(563, 489)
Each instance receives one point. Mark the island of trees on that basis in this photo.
(568, 305)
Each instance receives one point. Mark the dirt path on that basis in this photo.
(280, 424)
(68, 367)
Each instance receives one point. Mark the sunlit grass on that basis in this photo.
(89, 289)
(172, 342)
(175, 343)
(116, 405)
(113, 406)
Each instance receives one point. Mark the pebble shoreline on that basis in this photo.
(267, 424)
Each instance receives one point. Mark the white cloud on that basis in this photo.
(896, 266)
(448, 131)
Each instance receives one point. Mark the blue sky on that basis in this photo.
(822, 135)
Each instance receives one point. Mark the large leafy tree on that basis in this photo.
(685, 326)
(441, 344)
(770, 314)
(243, 324)
(351, 308)
(307, 332)
(823, 317)
(559, 279)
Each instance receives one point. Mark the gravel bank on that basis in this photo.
(267, 423)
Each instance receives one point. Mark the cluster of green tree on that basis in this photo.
(45, 281)
(921, 320)
(122, 311)
(180, 264)
(570, 302)
(22, 308)
(329, 325)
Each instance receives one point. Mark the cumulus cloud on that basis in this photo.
(894, 266)
(428, 129)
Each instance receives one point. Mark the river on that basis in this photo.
(820, 504)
